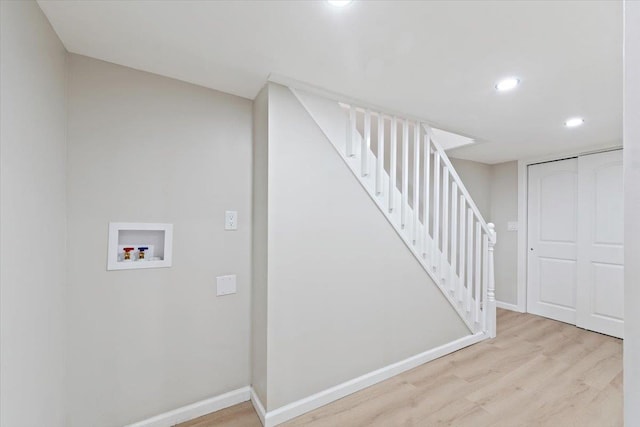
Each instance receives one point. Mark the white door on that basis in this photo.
(552, 238)
(600, 243)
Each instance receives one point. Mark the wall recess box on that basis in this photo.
(156, 238)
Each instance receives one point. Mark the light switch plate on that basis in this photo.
(512, 226)
(226, 285)
(231, 220)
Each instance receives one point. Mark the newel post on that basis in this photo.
(491, 289)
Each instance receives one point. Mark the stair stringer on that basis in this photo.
(326, 112)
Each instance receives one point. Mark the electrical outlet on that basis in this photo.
(231, 220)
(225, 285)
(512, 226)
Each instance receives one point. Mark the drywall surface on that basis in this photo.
(632, 211)
(504, 208)
(32, 218)
(346, 296)
(259, 245)
(476, 178)
(144, 148)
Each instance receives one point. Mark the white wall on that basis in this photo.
(144, 148)
(632, 211)
(32, 218)
(346, 296)
(504, 208)
(259, 244)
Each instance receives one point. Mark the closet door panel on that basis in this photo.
(601, 243)
(552, 239)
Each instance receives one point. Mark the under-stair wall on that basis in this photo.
(422, 197)
(348, 303)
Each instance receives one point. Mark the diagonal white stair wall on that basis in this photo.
(428, 205)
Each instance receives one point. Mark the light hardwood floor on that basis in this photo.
(537, 372)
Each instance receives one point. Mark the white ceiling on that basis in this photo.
(437, 60)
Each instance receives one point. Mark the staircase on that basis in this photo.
(411, 180)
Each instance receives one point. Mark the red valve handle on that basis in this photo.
(127, 249)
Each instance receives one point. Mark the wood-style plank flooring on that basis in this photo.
(537, 372)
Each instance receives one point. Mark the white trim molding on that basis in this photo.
(307, 404)
(509, 306)
(302, 406)
(258, 406)
(521, 275)
(197, 409)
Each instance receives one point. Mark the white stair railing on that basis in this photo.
(430, 207)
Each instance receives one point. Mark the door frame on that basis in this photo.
(523, 221)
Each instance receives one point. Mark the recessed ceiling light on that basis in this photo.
(507, 84)
(574, 122)
(339, 3)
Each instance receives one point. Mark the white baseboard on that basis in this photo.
(197, 409)
(508, 306)
(258, 406)
(302, 406)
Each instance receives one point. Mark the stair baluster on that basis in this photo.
(405, 173)
(463, 241)
(393, 159)
(435, 253)
(451, 239)
(469, 268)
(416, 182)
(453, 282)
(444, 259)
(366, 144)
(380, 155)
(427, 177)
